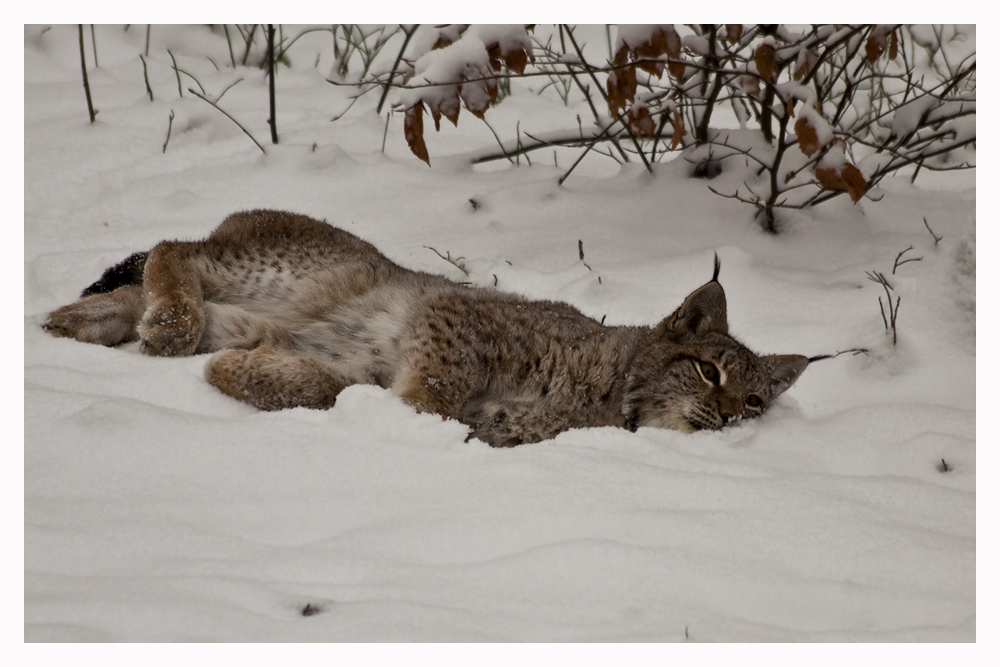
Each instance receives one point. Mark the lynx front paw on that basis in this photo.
(171, 330)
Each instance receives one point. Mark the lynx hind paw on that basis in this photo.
(172, 330)
(271, 380)
(102, 319)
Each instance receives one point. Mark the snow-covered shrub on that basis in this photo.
(838, 107)
(797, 114)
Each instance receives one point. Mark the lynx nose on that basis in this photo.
(730, 420)
(728, 412)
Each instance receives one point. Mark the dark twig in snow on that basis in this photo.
(226, 114)
(170, 125)
(456, 261)
(890, 320)
(272, 121)
(86, 82)
(145, 76)
(395, 65)
(93, 40)
(934, 236)
(898, 263)
(178, 71)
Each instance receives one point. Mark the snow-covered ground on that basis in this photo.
(156, 508)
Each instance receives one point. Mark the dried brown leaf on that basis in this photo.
(857, 186)
(516, 60)
(621, 57)
(806, 133)
(621, 89)
(734, 32)
(807, 60)
(750, 85)
(673, 48)
(445, 105)
(493, 51)
(875, 46)
(678, 137)
(664, 41)
(413, 131)
(441, 42)
(673, 41)
(842, 177)
(766, 60)
(641, 123)
(479, 95)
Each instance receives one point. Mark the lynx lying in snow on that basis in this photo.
(302, 310)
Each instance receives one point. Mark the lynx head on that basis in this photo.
(693, 375)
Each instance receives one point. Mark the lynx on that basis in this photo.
(298, 310)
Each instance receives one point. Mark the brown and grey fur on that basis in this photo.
(300, 310)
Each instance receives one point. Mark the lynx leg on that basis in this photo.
(442, 395)
(175, 318)
(105, 319)
(270, 379)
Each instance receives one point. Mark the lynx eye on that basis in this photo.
(709, 372)
(754, 401)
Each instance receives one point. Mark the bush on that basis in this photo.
(818, 112)
(810, 112)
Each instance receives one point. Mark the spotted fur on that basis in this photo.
(298, 310)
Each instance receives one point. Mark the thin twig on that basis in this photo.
(86, 82)
(890, 321)
(226, 89)
(249, 43)
(854, 352)
(933, 235)
(895, 313)
(385, 132)
(589, 70)
(500, 143)
(881, 308)
(226, 114)
(177, 72)
(229, 41)
(395, 66)
(448, 258)
(93, 40)
(898, 263)
(272, 121)
(145, 76)
(170, 125)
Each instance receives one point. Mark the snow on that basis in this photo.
(634, 35)
(907, 116)
(836, 157)
(507, 37)
(156, 508)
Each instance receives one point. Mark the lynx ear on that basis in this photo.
(785, 370)
(702, 312)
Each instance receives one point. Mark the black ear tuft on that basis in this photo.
(718, 266)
